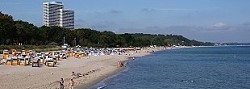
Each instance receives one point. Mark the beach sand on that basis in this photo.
(97, 68)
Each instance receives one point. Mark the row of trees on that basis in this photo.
(16, 32)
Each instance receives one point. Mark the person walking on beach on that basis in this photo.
(61, 84)
(73, 75)
(71, 84)
(120, 63)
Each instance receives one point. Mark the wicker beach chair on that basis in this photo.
(21, 59)
(49, 61)
(27, 59)
(36, 62)
(13, 59)
(8, 60)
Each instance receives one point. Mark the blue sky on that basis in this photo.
(203, 20)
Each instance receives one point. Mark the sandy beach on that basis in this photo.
(94, 68)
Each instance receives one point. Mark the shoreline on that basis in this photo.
(94, 82)
(96, 69)
(118, 70)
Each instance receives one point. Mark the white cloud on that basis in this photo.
(166, 9)
(219, 25)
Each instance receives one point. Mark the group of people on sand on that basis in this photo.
(71, 82)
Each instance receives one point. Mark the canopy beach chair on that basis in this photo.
(36, 62)
(50, 61)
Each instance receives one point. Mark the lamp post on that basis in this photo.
(75, 41)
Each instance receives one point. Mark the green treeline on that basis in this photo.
(16, 32)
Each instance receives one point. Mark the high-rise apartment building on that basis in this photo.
(54, 14)
(67, 18)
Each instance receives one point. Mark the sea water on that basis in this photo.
(188, 68)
